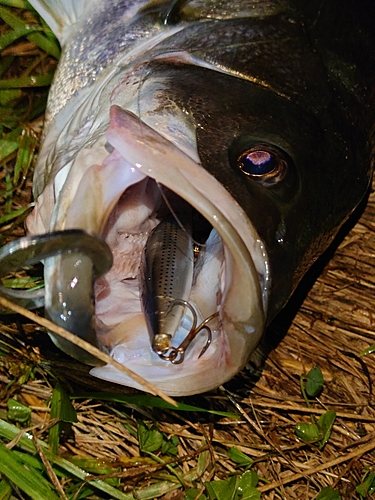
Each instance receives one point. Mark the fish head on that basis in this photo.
(113, 188)
(304, 193)
(259, 156)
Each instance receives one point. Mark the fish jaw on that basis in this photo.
(123, 191)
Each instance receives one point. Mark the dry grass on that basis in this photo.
(328, 327)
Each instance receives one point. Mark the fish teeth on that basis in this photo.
(127, 235)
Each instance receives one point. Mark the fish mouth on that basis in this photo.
(120, 200)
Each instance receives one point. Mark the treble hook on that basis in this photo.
(176, 355)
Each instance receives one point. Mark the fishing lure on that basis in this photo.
(166, 280)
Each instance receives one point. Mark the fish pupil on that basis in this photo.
(258, 163)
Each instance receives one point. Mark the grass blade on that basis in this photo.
(27, 480)
(13, 215)
(150, 401)
(19, 4)
(9, 144)
(5, 63)
(14, 35)
(61, 409)
(27, 81)
(6, 96)
(5, 490)
(9, 432)
(49, 45)
(25, 155)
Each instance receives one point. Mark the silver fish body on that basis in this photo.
(259, 114)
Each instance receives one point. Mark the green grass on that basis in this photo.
(29, 54)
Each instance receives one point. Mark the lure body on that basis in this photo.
(166, 276)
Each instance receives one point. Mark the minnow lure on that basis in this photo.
(166, 280)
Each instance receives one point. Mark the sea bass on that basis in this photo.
(258, 114)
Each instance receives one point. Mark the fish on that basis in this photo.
(258, 114)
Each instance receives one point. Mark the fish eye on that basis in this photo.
(263, 163)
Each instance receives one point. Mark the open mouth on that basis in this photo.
(143, 180)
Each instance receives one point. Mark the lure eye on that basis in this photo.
(262, 164)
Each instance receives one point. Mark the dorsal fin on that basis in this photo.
(61, 14)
